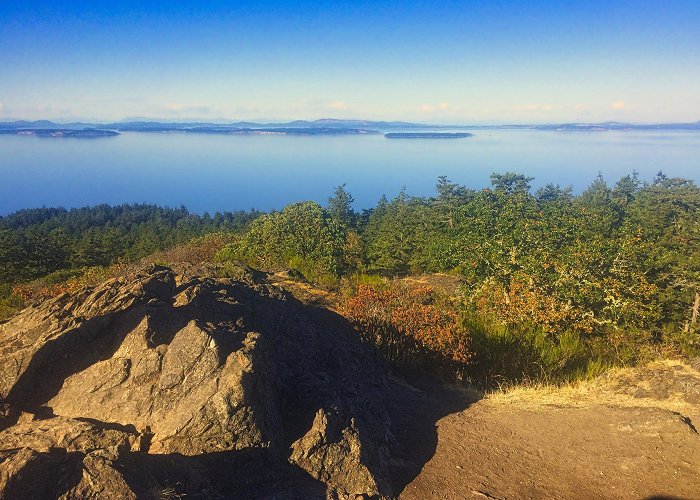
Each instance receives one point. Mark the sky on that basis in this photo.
(461, 62)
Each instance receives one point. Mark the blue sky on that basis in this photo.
(439, 62)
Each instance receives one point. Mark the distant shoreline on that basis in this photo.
(93, 133)
(70, 133)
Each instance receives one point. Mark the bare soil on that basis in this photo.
(630, 434)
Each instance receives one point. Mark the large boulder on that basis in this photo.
(156, 384)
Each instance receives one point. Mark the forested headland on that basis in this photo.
(554, 285)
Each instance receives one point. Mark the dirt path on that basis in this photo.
(595, 442)
(597, 452)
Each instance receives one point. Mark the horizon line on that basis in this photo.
(264, 121)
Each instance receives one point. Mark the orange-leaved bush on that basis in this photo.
(29, 293)
(409, 326)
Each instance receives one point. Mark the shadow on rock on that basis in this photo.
(91, 341)
(43, 475)
(228, 474)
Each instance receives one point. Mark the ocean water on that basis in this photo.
(217, 172)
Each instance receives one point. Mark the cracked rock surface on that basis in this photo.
(157, 385)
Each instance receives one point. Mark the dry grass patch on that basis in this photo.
(672, 385)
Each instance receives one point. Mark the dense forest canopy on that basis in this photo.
(39, 241)
(616, 264)
(58, 247)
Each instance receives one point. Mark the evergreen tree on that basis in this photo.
(340, 207)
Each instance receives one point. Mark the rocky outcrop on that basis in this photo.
(333, 452)
(158, 385)
(662, 380)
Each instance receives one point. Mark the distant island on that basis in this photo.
(427, 135)
(617, 126)
(57, 132)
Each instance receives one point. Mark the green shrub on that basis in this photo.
(302, 236)
(10, 303)
(511, 354)
(61, 276)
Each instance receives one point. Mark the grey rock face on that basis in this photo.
(156, 385)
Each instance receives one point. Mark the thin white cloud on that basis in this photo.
(618, 105)
(342, 105)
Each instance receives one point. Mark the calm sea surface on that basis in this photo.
(215, 172)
